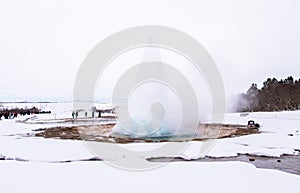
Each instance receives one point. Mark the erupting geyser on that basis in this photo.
(154, 99)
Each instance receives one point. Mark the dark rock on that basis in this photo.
(95, 159)
(2, 157)
(251, 159)
(21, 159)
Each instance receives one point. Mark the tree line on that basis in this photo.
(10, 113)
(275, 95)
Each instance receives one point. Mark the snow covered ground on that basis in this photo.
(174, 177)
(280, 135)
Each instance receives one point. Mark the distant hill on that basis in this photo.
(275, 95)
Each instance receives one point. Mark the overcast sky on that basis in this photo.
(42, 43)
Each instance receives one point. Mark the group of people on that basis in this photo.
(75, 114)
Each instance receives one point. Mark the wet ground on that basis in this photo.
(286, 163)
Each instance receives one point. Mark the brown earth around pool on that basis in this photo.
(102, 133)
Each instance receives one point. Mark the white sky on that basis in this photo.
(42, 43)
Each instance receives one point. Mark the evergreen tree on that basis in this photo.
(273, 96)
